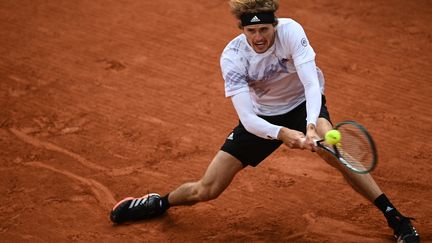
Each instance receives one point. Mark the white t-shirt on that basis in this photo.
(271, 77)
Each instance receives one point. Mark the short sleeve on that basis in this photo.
(297, 43)
(234, 73)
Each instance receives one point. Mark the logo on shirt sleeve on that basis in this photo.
(304, 42)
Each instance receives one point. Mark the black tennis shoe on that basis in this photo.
(404, 231)
(131, 209)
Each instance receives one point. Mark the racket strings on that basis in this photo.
(355, 147)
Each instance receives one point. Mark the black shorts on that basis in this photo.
(251, 149)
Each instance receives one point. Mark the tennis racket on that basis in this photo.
(356, 149)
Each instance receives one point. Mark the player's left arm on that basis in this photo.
(304, 61)
(307, 73)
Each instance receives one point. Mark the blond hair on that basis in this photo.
(240, 7)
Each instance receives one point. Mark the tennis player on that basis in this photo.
(278, 92)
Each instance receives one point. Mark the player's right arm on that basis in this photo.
(260, 127)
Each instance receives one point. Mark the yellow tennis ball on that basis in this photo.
(332, 137)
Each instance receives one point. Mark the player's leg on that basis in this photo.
(218, 176)
(366, 186)
(240, 149)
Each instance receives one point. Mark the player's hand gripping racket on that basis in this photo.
(352, 145)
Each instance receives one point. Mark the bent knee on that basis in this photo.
(208, 192)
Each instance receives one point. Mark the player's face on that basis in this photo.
(260, 36)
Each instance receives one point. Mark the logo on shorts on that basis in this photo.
(231, 136)
(304, 42)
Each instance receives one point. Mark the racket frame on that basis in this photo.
(333, 150)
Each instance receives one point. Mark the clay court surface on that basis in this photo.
(100, 100)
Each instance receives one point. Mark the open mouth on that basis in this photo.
(260, 45)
